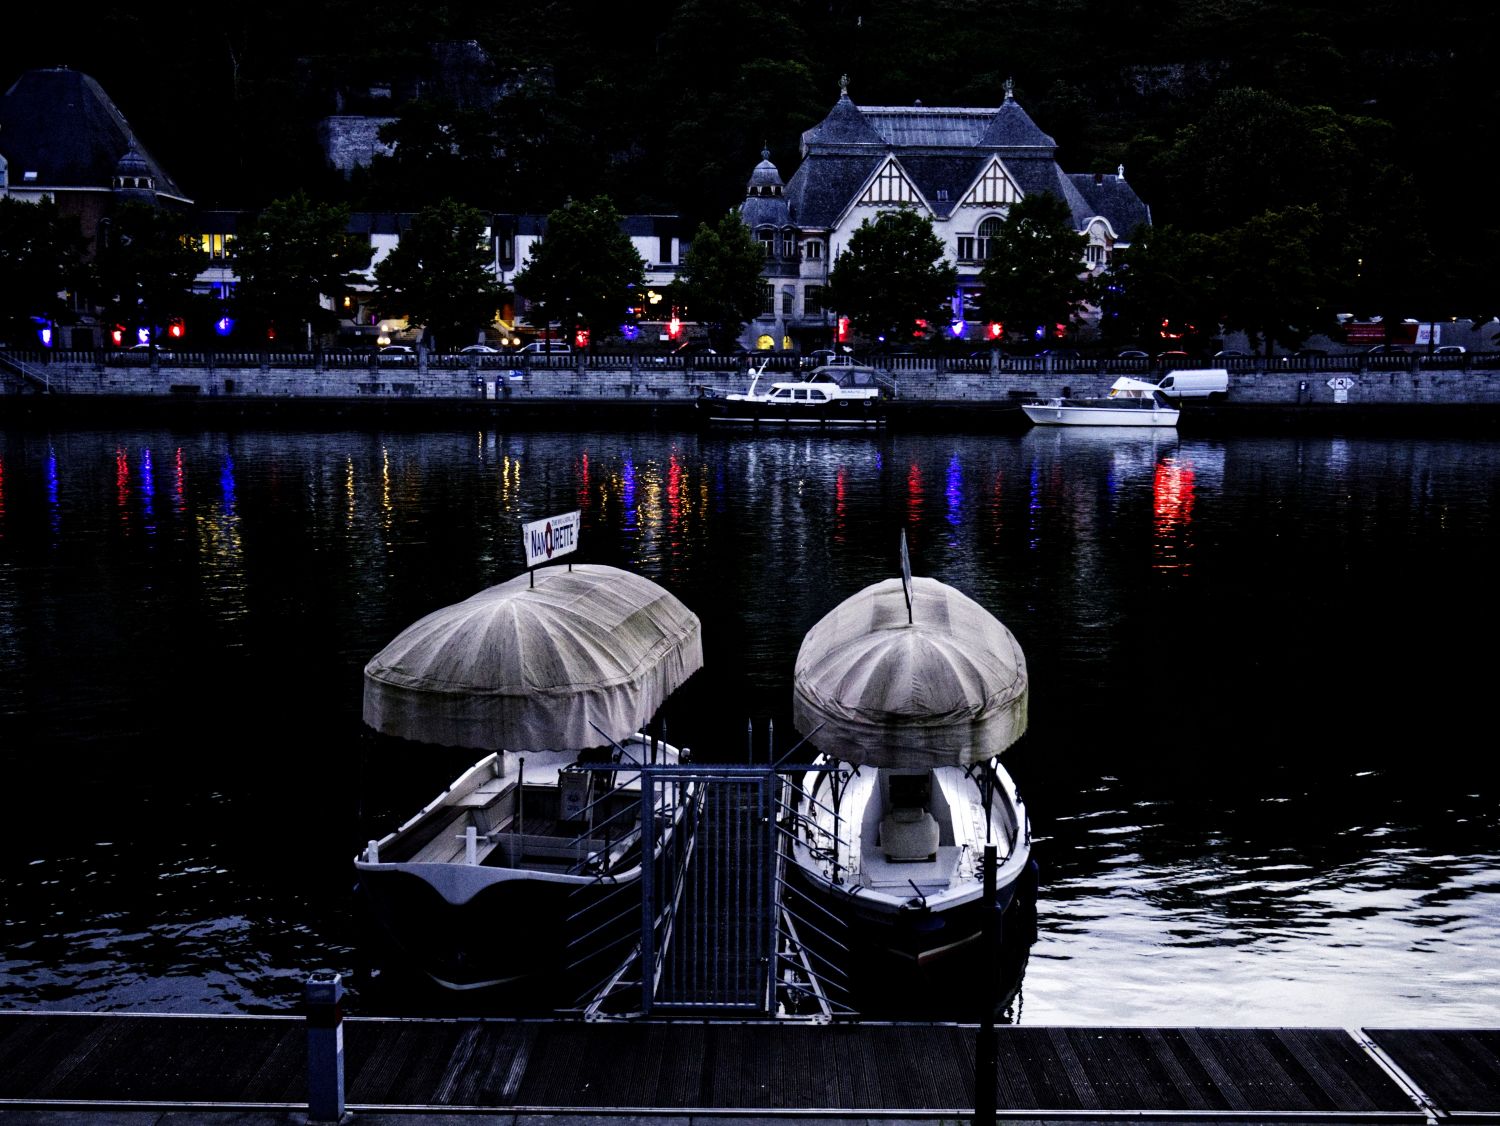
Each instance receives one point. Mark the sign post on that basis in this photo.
(545, 540)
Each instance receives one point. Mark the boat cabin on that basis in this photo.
(908, 831)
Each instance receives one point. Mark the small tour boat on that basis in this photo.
(1130, 402)
(511, 872)
(909, 690)
(528, 867)
(899, 853)
(834, 395)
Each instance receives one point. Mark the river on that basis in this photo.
(1260, 687)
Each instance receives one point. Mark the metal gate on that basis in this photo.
(709, 909)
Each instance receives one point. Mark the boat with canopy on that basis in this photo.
(912, 690)
(524, 868)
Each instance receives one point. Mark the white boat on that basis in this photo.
(898, 854)
(1130, 402)
(528, 867)
(513, 872)
(841, 394)
(909, 700)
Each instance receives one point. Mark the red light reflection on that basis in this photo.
(1172, 490)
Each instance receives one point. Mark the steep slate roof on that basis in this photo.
(1111, 197)
(61, 125)
(942, 150)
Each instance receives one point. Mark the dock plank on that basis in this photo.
(676, 1067)
(1458, 1069)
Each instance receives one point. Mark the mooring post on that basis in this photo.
(325, 1046)
(986, 1064)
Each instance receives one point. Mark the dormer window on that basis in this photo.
(767, 242)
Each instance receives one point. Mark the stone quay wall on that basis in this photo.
(1383, 382)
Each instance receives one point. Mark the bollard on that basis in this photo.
(325, 1046)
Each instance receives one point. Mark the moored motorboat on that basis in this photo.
(527, 869)
(1130, 402)
(834, 395)
(909, 690)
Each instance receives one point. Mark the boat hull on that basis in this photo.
(512, 935)
(1063, 414)
(835, 415)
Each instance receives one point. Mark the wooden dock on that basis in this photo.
(760, 1069)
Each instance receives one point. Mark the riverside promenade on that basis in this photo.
(968, 392)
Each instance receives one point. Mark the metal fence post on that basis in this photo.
(325, 1046)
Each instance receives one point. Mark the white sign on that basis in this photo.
(1341, 383)
(554, 536)
(1430, 334)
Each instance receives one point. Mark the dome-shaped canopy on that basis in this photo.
(947, 688)
(584, 656)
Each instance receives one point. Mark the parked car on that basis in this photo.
(545, 348)
(1449, 350)
(396, 353)
(1133, 354)
(1227, 353)
(479, 349)
(144, 352)
(1386, 350)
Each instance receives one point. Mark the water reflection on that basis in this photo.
(1246, 756)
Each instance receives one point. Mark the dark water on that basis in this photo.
(1262, 677)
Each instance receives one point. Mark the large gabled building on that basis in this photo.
(962, 167)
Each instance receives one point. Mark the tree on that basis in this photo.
(439, 275)
(1165, 277)
(145, 267)
(721, 276)
(1279, 271)
(1034, 276)
(296, 253)
(581, 271)
(41, 257)
(892, 275)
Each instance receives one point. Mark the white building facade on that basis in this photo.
(961, 167)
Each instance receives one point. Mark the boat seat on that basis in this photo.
(909, 833)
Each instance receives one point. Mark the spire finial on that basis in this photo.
(1120, 172)
(1010, 89)
(765, 150)
(843, 85)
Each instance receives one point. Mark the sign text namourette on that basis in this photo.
(549, 538)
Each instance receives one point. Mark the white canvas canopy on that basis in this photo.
(536, 668)
(947, 689)
(1127, 388)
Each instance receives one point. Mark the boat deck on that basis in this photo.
(760, 1069)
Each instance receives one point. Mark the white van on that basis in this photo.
(546, 348)
(1195, 383)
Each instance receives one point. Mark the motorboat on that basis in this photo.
(897, 854)
(528, 868)
(512, 873)
(909, 690)
(1130, 402)
(831, 395)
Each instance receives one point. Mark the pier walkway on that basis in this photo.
(252, 1069)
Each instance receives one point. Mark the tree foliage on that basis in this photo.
(144, 267)
(1163, 281)
(1280, 271)
(891, 275)
(41, 257)
(439, 275)
(297, 253)
(721, 277)
(581, 272)
(1034, 276)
